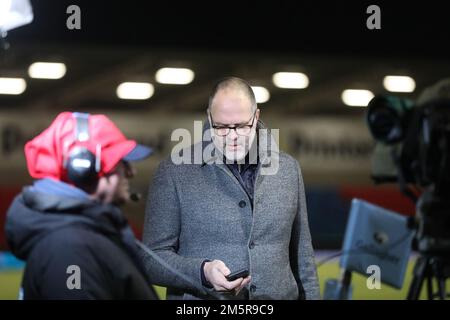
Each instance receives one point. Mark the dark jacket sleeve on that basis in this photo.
(301, 250)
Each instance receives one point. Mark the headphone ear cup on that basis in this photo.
(81, 168)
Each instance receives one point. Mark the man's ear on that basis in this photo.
(208, 116)
(105, 189)
(100, 192)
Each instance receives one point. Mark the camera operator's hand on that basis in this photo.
(215, 272)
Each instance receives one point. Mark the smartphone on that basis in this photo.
(238, 274)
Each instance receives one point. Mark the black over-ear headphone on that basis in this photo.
(81, 164)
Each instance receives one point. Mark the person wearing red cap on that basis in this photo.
(68, 226)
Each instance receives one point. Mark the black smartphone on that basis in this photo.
(238, 274)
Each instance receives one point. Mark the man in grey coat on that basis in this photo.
(231, 202)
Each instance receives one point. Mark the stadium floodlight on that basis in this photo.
(14, 14)
(261, 94)
(135, 90)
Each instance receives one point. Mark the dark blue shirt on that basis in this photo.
(246, 174)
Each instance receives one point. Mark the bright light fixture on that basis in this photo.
(356, 97)
(135, 90)
(14, 14)
(174, 76)
(290, 80)
(261, 94)
(12, 86)
(47, 70)
(399, 83)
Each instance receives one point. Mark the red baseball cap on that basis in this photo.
(46, 153)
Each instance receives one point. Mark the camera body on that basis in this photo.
(413, 149)
(417, 135)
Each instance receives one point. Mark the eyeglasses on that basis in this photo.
(241, 129)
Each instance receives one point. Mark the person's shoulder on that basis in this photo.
(287, 157)
(290, 164)
(75, 238)
(81, 246)
(288, 160)
(67, 246)
(183, 159)
(17, 202)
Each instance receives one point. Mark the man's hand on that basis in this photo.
(215, 272)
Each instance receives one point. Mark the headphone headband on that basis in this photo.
(82, 126)
(83, 166)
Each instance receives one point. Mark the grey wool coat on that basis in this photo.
(198, 212)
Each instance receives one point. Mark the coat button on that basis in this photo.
(251, 245)
(242, 204)
(252, 288)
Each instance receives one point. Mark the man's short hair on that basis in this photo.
(235, 84)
